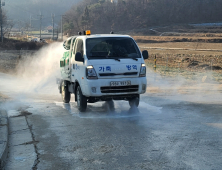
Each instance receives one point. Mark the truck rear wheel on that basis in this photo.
(65, 93)
(81, 100)
(134, 102)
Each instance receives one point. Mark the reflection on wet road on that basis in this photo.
(100, 110)
(166, 131)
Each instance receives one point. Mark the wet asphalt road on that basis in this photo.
(171, 129)
(163, 133)
(178, 124)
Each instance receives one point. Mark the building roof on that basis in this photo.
(49, 27)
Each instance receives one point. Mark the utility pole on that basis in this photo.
(62, 26)
(40, 36)
(30, 25)
(57, 31)
(53, 32)
(1, 18)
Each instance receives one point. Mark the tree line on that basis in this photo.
(102, 16)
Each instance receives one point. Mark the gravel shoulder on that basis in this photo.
(3, 137)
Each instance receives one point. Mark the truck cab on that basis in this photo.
(102, 68)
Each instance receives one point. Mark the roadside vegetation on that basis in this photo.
(12, 44)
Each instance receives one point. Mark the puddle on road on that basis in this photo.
(99, 110)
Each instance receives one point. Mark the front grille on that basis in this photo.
(118, 74)
(119, 89)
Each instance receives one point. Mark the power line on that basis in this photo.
(62, 26)
(1, 20)
(24, 10)
(40, 19)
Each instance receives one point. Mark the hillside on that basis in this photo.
(103, 16)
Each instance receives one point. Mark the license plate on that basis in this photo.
(120, 83)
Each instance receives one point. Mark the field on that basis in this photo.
(185, 51)
(186, 55)
(190, 53)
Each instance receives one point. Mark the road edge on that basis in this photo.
(4, 124)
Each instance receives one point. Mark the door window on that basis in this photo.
(79, 47)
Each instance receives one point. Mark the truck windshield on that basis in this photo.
(111, 47)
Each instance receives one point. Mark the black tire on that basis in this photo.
(65, 93)
(110, 105)
(81, 100)
(134, 102)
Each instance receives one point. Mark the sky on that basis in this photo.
(20, 10)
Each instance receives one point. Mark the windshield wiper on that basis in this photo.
(111, 57)
(96, 56)
(134, 58)
(104, 57)
(126, 56)
(115, 59)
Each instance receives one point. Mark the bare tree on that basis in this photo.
(7, 25)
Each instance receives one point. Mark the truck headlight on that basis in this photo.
(91, 73)
(143, 70)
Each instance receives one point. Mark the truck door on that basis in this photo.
(78, 69)
(66, 56)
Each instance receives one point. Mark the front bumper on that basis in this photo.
(94, 88)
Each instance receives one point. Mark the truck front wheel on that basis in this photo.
(110, 105)
(81, 100)
(65, 93)
(134, 102)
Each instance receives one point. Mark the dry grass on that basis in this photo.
(195, 38)
(185, 45)
(203, 49)
(184, 58)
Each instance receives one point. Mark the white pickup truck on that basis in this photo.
(102, 68)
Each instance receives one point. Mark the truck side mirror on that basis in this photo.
(79, 57)
(145, 54)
